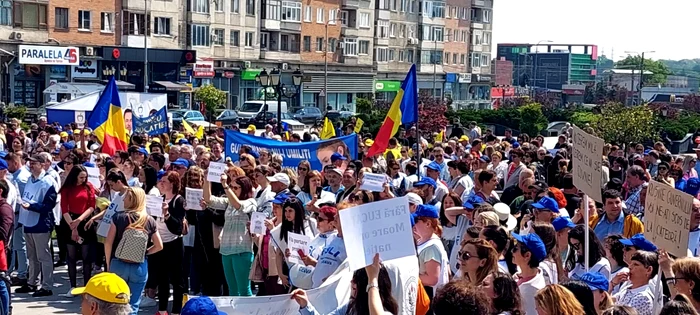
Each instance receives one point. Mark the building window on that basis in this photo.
(383, 4)
(393, 5)
(350, 47)
(464, 36)
(235, 6)
(291, 11)
(364, 19)
(107, 22)
(404, 5)
(402, 57)
(380, 55)
(200, 35)
(307, 13)
(382, 30)
(200, 6)
(5, 12)
(433, 33)
(454, 58)
(392, 30)
(62, 18)
(319, 43)
(332, 16)
(319, 15)
(486, 16)
(307, 43)
(217, 37)
(332, 43)
(485, 60)
(409, 56)
(249, 39)
(486, 39)
(475, 60)
(446, 60)
(290, 42)
(218, 5)
(434, 9)
(392, 54)
(264, 39)
(235, 38)
(83, 20)
(161, 26)
(30, 15)
(344, 18)
(462, 58)
(133, 24)
(250, 7)
(364, 47)
(402, 30)
(272, 10)
(476, 38)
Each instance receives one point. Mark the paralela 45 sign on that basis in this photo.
(48, 55)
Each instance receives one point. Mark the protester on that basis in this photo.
(477, 259)
(104, 294)
(460, 297)
(503, 292)
(557, 300)
(576, 258)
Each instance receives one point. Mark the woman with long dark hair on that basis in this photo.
(576, 258)
(583, 294)
(371, 294)
(296, 221)
(551, 266)
(504, 293)
(77, 205)
(451, 233)
(148, 176)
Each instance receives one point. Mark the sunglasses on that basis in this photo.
(465, 255)
(662, 169)
(67, 162)
(576, 246)
(303, 169)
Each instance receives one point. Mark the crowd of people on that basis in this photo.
(498, 224)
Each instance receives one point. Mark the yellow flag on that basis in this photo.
(188, 128)
(328, 130)
(440, 136)
(200, 132)
(358, 125)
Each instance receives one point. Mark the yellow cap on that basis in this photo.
(86, 132)
(155, 140)
(107, 287)
(463, 138)
(63, 134)
(252, 128)
(369, 142)
(76, 132)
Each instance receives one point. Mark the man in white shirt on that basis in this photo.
(528, 252)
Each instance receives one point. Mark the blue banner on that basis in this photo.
(154, 125)
(318, 153)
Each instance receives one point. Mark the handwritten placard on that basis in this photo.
(214, 172)
(257, 223)
(667, 214)
(154, 205)
(587, 159)
(295, 243)
(382, 227)
(93, 174)
(193, 197)
(103, 228)
(373, 182)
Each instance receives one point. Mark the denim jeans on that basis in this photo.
(19, 253)
(135, 276)
(4, 298)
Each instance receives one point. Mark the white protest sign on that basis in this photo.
(257, 223)
(214, 172)
(154, 205)
(93, 174)
(382, 227)
(103, 228)
(297, 242)
(587, 160)
(373, 182)
(193, 196)
(667, 214)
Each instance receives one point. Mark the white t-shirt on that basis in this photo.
(549, 269)
(602, 266)
(165, 234)
(528, 290)
(694, 243)
(617, 288)
(332, 256)
(403, 273)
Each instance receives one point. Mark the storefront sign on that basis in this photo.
(86, 69)
(250, 74)
(48, 55)
(465, 78)
(204, 69)
(387, 86)
(501, 92)
(228, 74)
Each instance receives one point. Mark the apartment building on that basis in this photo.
(396, 37)
(478, 92)
(456, 52)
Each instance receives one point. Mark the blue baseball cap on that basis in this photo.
(89, 164)
(142, 151)
(425, 180)
(280, 199)
(434, 166)
(533, 243)
(561, 223)
(692, 186)
(70, 145)
(547, 204)
(160, 174)
(516, 144)
(472, 201)
(201, 306)
(3, 165)
(337, 156)
(183, 141)
(639, 242)
(485, 159)
(57, 151)
(425, 211)
(595, 281)
(181, 162)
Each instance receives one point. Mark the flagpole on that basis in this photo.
(418, 142)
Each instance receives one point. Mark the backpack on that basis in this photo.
(132, 247)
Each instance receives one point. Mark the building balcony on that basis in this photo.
(381, 41)
(271, 25)
(350, 31)
(486, 4)
(350, 4)
(431, 45)
(429, 68)
(383, 15)
(280, 55)
(426, 19)
(295, 27)
(135, 41)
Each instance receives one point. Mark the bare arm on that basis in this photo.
(108, 244)
(157, 244)
(432, 273)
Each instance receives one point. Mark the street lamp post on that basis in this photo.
(273, 79)
(641, 74)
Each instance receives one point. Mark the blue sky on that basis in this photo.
(671, 28)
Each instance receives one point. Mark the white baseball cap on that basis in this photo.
(279, 177)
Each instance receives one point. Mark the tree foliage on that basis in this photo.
(431, 114)
(212, 97)
(620, 124)
(533, 121)
(659, 68)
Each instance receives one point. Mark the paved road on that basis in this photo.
(25, 304)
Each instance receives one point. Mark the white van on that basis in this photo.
(251, 109)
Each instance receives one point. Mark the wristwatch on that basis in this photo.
(372, 285)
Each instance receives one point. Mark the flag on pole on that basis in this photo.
(358, 125)
(328, 130)
(188, 128)
(200, 132)
(107, 120)
(402, 111)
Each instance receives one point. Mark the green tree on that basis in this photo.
(533, 121)
(212, 98)
(620, 124)
(659, 68)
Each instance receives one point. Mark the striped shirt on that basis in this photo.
(235, 237)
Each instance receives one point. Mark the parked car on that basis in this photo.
(189, 115)
(266, 118)
(227, 117)
(335, 115)
(308, 115)
(554, 128)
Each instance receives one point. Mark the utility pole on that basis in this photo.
(147, 24)
(641, 79)
(325, 71)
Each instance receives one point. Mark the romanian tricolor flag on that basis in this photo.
(107, 120)
(404, 110)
